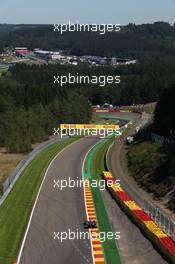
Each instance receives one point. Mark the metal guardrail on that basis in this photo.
(168, 143)
(161, 219)
(13, 177)
(154, 212)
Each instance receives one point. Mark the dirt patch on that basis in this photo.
(8, 162)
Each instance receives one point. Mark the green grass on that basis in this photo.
(15, 211)
(151, 165)
(95, 164)
(2, 70)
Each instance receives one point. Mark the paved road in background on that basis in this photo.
(122, 116)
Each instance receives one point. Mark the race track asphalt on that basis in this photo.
(58, 211)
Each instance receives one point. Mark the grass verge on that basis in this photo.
(95, 164)
(15, 211)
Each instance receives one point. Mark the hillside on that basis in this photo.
(153, 164)
(144, 42)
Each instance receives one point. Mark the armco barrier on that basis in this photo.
(113, 111)
(157, 214)
(160, 218)
(163, 141)
(156, 235)
(13, 177)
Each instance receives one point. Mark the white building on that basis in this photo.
(43, 54)
(21, 48)
(131, 62)
(56, 56)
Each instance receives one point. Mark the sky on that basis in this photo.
(89, 11)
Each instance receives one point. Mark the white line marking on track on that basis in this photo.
(34, 206)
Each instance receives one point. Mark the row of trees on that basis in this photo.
(25, 120)
(140, 83)
(31, 105)
(140, 41)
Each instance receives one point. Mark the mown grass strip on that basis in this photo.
(15, 211)
(95, 164)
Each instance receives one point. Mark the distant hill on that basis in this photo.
(141, 41)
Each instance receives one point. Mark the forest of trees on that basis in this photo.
(164, 118)
(31, 105)
(140, 83)
(141, 41)
(28, 113)
(152, 165)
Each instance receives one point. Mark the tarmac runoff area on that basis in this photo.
(58, 211)
(134, 248)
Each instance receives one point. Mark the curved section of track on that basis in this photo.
(122, 116)
(59, 211)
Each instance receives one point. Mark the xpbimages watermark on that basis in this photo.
(80, 235)
(85, 79)
(62, 184)
(80, 27)
(71, 132)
